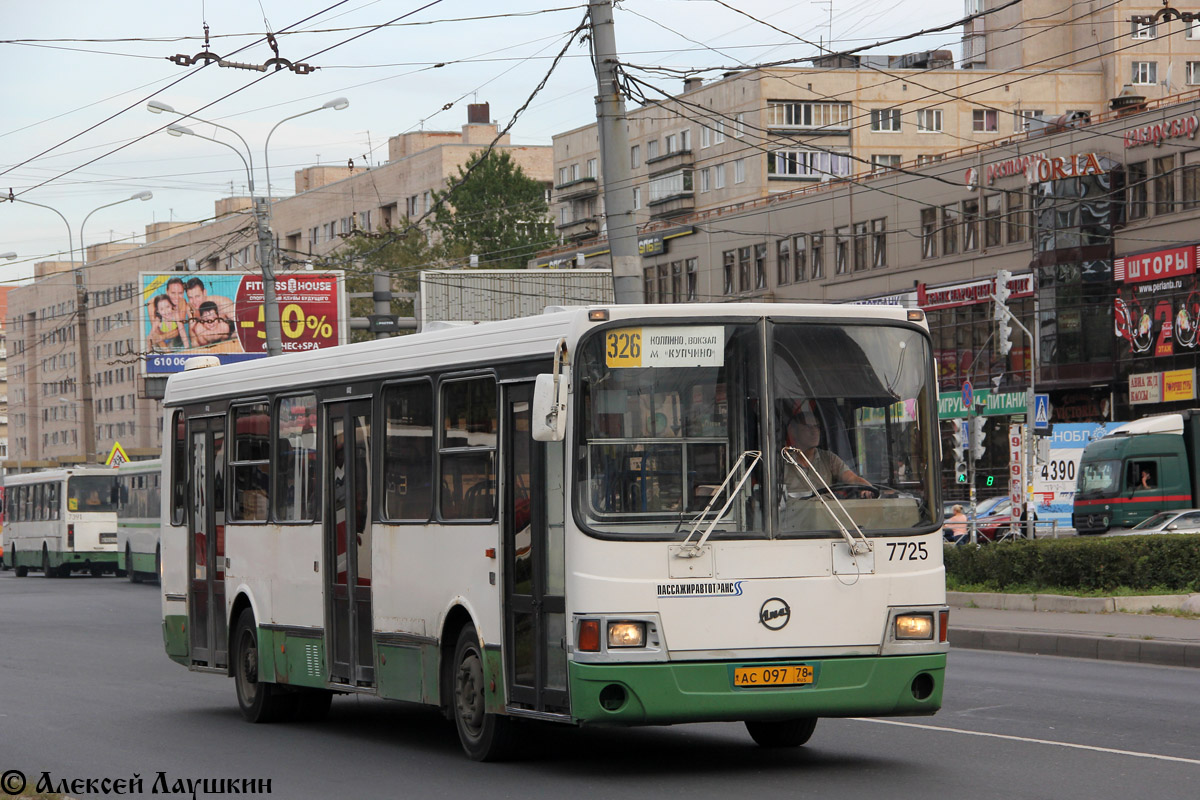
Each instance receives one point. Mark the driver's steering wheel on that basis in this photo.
(847, 491)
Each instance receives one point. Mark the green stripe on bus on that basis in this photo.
(175, 639)
(703, 692)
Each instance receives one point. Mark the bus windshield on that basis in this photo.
(668, 410)
(92, 493)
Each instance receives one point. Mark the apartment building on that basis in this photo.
(76, 383)
(1033, 66)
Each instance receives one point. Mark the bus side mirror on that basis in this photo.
(549, 422)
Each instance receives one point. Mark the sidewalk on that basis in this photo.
(1076, 627)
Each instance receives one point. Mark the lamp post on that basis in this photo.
(70, 240)
(144, 195)
(262, 209)
(9, 256)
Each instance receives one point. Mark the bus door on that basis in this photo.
(206, 543)
(347, 521)
(532, 530)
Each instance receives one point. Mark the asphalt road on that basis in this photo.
(86, 692)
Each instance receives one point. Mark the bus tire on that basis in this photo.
(781, 733)
(47, 570)
(19, 570)
(484, 736)
(130, 574)
(259, 702)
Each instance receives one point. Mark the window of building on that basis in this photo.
(739, 171)
(719, 132)
(652, 149)
(705, 136)
(739, 125)
(841, 250)
(929, 232)
(1190, 186)
(992, 210)
(1193, 73)
(884, 162)
(861, 246)
(949, 230)
(592, 168)
(1023, 116)
(1135, 190)
(691, 265)
(783, 261)
(637, 197)
(929, 158)
(885, 120)
(1193, 29)
(705, 179)
(635, 156)
(729, 258)
(1017, 217)
(250, 464)
(985, 120)
(672, 143)
(673, 184)
(1164, 184)
(816, 252)
(929, 120)
(685, 140)
(676, 281)
(650, 278)
(468, 449)
(743, 269)
(814, 164)
(789, 114)
(719, 176)
(878, 243)
(664, 285)
(760, 266)
(970, 225)
(1139, 30)
(1145, 72)
(799, 257)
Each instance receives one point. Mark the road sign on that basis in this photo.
(117, 456)
(1041, 411)
(968, 394)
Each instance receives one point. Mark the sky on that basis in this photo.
(75, 133)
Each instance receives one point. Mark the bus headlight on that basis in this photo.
(914, 626)
(626, 634)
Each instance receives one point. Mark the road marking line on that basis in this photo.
(1093, 748)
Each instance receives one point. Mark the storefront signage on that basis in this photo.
(1062, 167)
(1145, 388)
(966, 294)
(1178, 128)
(653, 244)
(1010, 167)
(995, 404)
(1179, 384)
(1156, 265)
(904, 299)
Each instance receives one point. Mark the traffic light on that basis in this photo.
(1004, 335)
(978, 434)
(960, 438)
(1002, 293)
(960, 472)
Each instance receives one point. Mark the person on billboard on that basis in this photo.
(168, 330)
(198, 294)
(208, 328)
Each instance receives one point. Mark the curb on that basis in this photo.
(1107, 648)
(1077, 605)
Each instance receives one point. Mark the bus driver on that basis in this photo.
(803, 433)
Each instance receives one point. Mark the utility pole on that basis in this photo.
(86, 416)
(615, 169)
(266, 253)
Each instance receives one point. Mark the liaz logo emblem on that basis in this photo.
(774, 614)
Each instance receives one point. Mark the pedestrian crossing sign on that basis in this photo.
(117, 456)
(1041, 411)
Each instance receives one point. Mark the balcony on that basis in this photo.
(669, 162)
(579, 189)
(579, 230)
(672, 205)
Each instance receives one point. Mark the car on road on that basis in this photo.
(997, 520)
(1179, 520)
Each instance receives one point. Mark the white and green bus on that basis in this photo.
(61, 521)
(139, 515)
(597, 516)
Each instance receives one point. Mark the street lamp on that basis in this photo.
(261, 212)
(70, 239)
(9, 256)
(337, 104)
(143, 195)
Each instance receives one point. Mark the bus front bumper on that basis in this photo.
(640, 694)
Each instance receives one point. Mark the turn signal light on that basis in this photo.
(589, 635)
(70, 537)
(943, 624)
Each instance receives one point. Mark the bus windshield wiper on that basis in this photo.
(859, 544)
(690, 549)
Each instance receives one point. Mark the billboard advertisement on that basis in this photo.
(187, 314)
(1054, 480)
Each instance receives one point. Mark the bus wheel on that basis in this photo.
(781, 733)
(484, 736)
(47, 571)
(18, 570)
(260, 702)
(130, 574)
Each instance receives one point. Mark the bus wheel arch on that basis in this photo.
(457, 618)
(240, 603)
(258, 701)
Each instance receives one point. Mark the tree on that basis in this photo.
(402, 253)
(498, 212)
